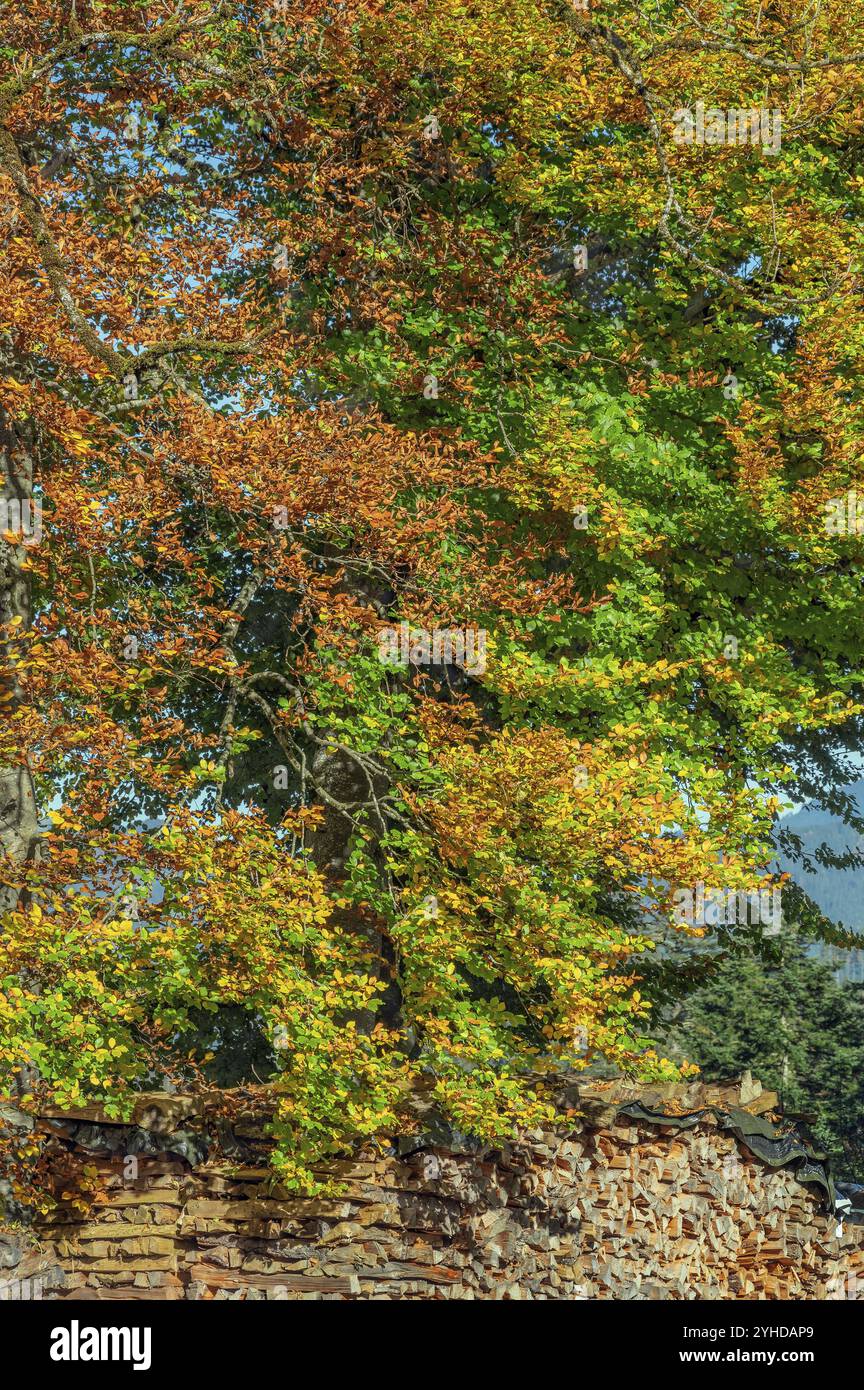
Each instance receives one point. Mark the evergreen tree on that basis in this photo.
(798, 1030)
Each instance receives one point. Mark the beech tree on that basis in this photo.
(431, 538)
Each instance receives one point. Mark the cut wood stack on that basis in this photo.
(601, 1208)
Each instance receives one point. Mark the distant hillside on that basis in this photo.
(838, 892)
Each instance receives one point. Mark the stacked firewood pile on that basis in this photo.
(607, 1206)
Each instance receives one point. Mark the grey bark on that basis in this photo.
(19, 819)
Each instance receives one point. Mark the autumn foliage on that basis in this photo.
(294, 350)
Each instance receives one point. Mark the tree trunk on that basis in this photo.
(19, 820)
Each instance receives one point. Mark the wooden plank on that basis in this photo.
(236, 1279)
